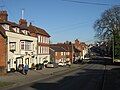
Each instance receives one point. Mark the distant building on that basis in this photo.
(58, 54)
(72, 51)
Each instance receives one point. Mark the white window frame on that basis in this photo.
(61, 53)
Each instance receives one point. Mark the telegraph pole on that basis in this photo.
(72, 52)
(113, 47)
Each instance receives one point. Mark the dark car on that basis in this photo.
(51, 65)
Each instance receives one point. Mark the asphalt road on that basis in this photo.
(89, 77)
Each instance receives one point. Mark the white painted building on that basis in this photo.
(43, 43)
(25, 45)
(21, 49)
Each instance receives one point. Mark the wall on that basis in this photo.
(2, 54)
(12, 56)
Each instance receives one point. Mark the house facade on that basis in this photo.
(58, 54)
(43, 43)
(81, 46)
(63, 51)
(19, 45)
(72, 51)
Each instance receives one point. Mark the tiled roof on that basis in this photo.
(23, 27)
(12, 24)
(58, 48)
(31, 28)
(34, 29)
(67, 47)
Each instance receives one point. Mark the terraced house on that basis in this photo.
(21, 44)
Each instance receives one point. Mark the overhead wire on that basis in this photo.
(90, 3)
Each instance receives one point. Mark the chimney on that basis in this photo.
(3, 16)
(23, 22)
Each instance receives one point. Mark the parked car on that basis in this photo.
(51, 65)
(62, 64)
(68, 63)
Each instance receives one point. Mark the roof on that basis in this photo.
(34, 29)
(12, 24)
(57, 48)
(67, 47)
(23, 27)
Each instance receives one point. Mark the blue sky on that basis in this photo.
(62, 20)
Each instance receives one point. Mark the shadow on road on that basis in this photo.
(88, 79)
(101, 60)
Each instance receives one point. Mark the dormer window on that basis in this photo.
(6, 27)
(25, 32)
(16, 29)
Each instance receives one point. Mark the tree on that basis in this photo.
(108, 24)
(108, 27)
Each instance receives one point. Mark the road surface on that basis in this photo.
(89, 77)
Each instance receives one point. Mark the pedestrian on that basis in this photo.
(25, 69)
(20, 68)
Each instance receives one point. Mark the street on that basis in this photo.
(90, 77)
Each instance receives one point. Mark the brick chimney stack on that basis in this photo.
(3, 16)
(23, 22)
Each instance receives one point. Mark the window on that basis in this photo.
(55, 53)
(12, 46)
(25, 45)
(43, 40)
(61, 53)
(39, 49)
(39, 38)
(43, 49)
(25, 32)
(22, 45)
(6, 27)
(68, 53)
(16, 29)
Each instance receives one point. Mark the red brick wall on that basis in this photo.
(2, 51)
(58, 56)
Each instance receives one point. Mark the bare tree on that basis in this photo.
(109, 23)
(108, 29)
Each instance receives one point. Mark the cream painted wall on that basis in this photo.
(14, 37)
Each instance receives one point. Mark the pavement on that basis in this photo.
(34, 75)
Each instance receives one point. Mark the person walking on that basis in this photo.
(25, 69)
(20, 68)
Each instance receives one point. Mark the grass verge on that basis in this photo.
(5, 84)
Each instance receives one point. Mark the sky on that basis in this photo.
(63, 20)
